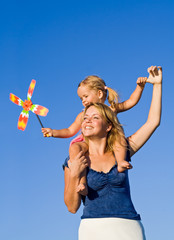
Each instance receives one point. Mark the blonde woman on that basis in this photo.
(108, 210)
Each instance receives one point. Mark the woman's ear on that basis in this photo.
(109, 127)
(100, 94)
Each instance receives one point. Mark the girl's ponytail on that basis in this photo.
(112, 98)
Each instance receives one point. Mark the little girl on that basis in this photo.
(93, 90)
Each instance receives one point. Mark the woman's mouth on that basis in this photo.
(88, 127)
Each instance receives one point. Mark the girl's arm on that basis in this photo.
(66, 132)
(138, 139)
(134, 98)
(72, 176)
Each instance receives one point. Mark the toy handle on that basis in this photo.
(41, 123)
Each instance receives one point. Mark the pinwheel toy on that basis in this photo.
(28, 106)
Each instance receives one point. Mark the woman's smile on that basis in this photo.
(93, 123)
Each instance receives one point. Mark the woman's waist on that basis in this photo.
(112, 204)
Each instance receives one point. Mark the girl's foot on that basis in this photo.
(123, 165)
(82, 189)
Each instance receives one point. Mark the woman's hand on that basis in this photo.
(155, 75)
(78, 165)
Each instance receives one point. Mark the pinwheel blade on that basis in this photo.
(39, 110)
(31, 89)
(16, 99)
(23, 119)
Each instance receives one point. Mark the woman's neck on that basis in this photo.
(97, 146)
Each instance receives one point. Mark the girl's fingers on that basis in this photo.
(142, 80)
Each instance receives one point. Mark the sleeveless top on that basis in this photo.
(108, 194)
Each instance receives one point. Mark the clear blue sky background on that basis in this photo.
(58, 43)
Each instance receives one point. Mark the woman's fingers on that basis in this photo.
(160, 70)
(151, 71)
(80, 154)
(154, 70)
(80, 159)
(155, 75)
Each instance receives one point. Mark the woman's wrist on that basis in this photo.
(158, 83)
(74, 175)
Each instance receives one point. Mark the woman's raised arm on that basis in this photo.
(138, 139)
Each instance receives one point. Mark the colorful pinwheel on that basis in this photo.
(28, 106)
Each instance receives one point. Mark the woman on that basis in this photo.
(108, 210)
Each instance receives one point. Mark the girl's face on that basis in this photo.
(88, 96)
(94, 125)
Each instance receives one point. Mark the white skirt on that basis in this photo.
(111, 229)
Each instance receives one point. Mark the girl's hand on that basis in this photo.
(47, 132)
(155, 75)
(78, 165)
(141, 81)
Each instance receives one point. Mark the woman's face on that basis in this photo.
(94, 125)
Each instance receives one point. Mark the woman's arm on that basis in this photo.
(66, 132)
(72, 198)
(138, 139)
(72, 177)
(134, 98)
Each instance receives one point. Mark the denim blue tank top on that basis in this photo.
(108, 195)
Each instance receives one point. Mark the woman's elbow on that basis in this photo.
(157, 123)
(70, 207)
(72, 210)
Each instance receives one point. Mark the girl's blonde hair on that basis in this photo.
(116, 133)
(96, 83)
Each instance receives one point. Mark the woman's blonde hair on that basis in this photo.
(96, 83)
(116, 133)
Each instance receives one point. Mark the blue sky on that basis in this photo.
(59, 43)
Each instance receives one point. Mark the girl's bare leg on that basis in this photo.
(120, 155)
(74, 149)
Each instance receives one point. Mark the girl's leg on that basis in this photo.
(74, 149)
(120, 155)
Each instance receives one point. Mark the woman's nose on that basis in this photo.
(89, 119)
